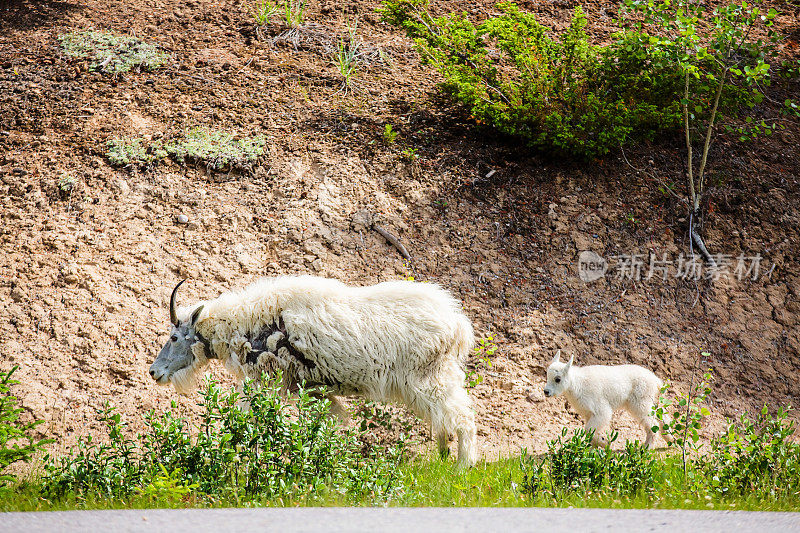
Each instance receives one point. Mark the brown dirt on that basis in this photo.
(85, 277)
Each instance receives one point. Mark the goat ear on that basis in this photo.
(556, 358)
(195, 315)
(569, 365)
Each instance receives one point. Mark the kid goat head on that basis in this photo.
(176, 361)
(557, 376)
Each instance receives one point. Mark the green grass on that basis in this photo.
(428, 482)
(291, 13)
(497, 484)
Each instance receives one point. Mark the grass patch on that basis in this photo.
(112, 53)
(291, 13)
(432, 482)
(216, 150)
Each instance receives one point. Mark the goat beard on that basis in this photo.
(185, 380)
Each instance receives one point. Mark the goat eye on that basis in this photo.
(558, 380)
(174, 338)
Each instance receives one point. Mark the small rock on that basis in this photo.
(362, 219)
(182, 219)
(294, 235)
(17, 295)
(534, 397)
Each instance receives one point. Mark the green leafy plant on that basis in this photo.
(753, 457)
(16, 440)
(375, 415)
(218, 150)
(167, 487)
(723, 65)
(66, 185)
(561, 94)
(486, 346)
(264, 452)
(66, 182)
(112, 53)
(573, 464)
(682, 418)
(481, 356)
(389, 135)
(673, 64)
(409, 154)
(133, 151)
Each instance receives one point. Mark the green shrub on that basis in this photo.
(16, 442)
(573, 464)
(564, 94)
(112, 53)
(753, 457)
(264, 452)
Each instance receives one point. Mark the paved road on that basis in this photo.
(371, 520)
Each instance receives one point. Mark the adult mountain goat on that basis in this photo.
(597, 391)
(395, 341)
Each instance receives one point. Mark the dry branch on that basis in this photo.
(394, 241)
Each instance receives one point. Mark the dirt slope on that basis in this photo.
(85, 277)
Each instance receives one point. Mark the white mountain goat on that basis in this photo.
(597, 391)
(395, 341)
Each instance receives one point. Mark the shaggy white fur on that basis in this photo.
(597, 391)
(394, 341)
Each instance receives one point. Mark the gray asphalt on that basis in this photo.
(405, 520)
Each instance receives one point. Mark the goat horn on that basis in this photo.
(172, 316)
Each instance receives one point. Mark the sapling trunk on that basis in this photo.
(696, 193)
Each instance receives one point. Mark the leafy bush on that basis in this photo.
(573, 464)
(16, 442)
(264, 452)
(754, 457)
(112, 53)
(389, 134)
(564, 94)
(570, 96)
